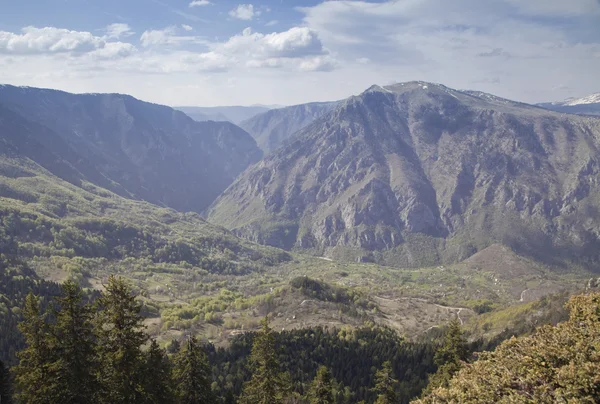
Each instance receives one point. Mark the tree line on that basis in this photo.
(78, 351)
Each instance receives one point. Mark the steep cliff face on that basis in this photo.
(273, 128)
(418, 173)
(137, 149)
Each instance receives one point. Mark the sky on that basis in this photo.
(285, 52)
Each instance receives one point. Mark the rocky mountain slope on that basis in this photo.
(272, 128)
(417, 174)
(589, 105)
(136, 149)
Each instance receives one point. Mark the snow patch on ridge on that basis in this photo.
(590, 99)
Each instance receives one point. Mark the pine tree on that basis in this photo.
(321, 389)
(385, 385)
(33, 372)
(157, 376)
(449, 357)
(267, 385)
(120, 337)
(5, 388)
(192, 375)
(73, 379)
(454, 347)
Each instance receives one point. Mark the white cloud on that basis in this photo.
(118, 30)
(268, 63)
(318, 64)
(530, 50)
(199, 3)
(271, 23)
(168, 36)
(114, 50)
(244, 12)
(500, 46)
(187, 27)
(293, 43)
(157, 37)
(48, 40)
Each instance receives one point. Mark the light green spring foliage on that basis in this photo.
(557, 364)
(192, 375)
(385, 385)
(321, 388)
(268, 384)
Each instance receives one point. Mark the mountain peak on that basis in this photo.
(413, 164)
(589, 99)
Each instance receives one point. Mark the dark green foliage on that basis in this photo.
(321, 388)
(268, 384)
(454, 346)
(120, 339)
(322, 291)
(192, 375)
(173, 347)
(351, 355)
(385, 385)
(71, 340)
(157, 378)
(5, 385)
(33, 372)
(16, 281)
(449, 357)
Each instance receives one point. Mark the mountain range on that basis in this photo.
(589, 105)
(136, 149)
(419, 174)
(476, 192)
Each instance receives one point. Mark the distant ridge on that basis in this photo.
(134, 148)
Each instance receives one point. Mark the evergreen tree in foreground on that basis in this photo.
(267, 385)
(449, 357)
(32, 375)
(192, 375)
(385, 385)
(73, 379)
(120, 336)
(321, 389)
(157, 377)
(5, 388)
